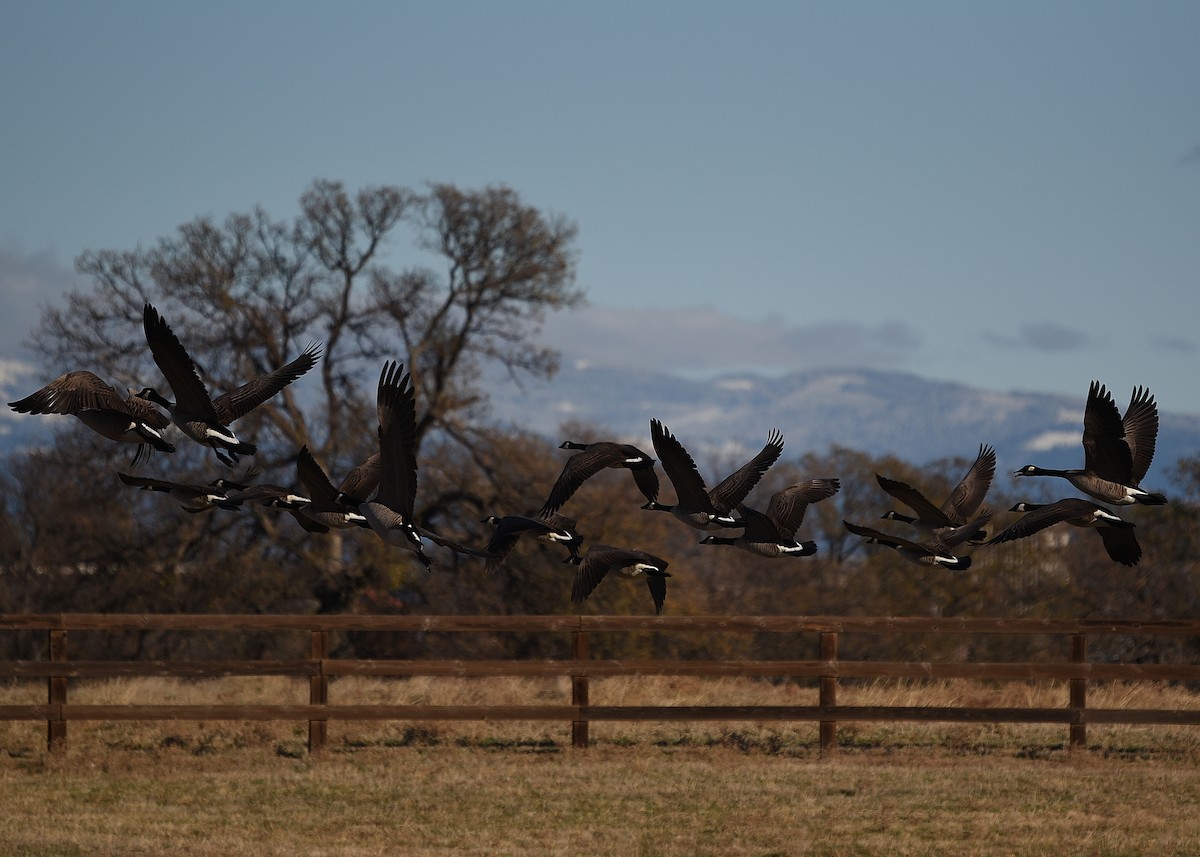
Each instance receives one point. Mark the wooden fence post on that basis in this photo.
(1078, 701)
(318, 691)
(828, 692)
(579, 689)
(56, 725)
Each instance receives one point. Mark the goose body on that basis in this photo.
(1117, 449)
(190, 497)
(1120, 542)
(963, 502)
(695, 504)
(929, 553)
(774, 534)
(197, 415)
(590, 459)
(600, 560)
(335, 507)
(549, 528)
(101, 408)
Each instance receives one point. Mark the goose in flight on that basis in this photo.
(774, 534)
(695, 504)
(1116, 450)
(101, 408)
(963, 502)
(389, 512)
(549, 528)
(200, 417)
(590, 459)
(190, 497)
(334, 507)
(1117, 534)
(937, 551)
(626, 563)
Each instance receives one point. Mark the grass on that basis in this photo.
(233, 789)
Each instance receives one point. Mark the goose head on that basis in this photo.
(152, 395)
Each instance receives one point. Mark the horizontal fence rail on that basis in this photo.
(58, 669)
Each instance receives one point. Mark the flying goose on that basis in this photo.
(590, 460)
(1118, 536)
(930, 552)
(695, 505)
(335, 508)
(389, 512)
(549, 528)
(1116, 450)
(774, 534)
(601, 559)
(200, 417)
(191, 498)
(101, 408)
(957, 509)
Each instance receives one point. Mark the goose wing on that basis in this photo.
(1141, 431)
(312, 477)
(732, 490)
(915, 500)
(690, 490)
(71, 393)
(1121, 544)
(599, 560)
(396, 405)
(787, 507)
(1105, 450)
(968, 495)
(177, 367)
(579, 468)
(886, 538)
(239, 402)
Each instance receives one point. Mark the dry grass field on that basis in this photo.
(234, 789)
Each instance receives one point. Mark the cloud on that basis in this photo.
(703, 341)
(28, 282)
(1192, 157)
(1046, 336)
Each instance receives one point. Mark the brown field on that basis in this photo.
(233, 789)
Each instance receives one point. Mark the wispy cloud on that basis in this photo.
(28, 282)
(1047, 336)
(704, 340)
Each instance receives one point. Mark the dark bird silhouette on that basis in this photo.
(774, 534)
(101, 408)
(695, 505)
(590, 460)
(335, 507)
(1117, 534)
(957, 509)
(200, 417)
(602, 559)
(550, 528)
(938, 552)
(390, 511)
(190, 497)
(1117, 450)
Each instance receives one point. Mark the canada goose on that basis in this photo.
(962, 503)
(101, 408)
(190, 497)
(774, 534)
(695, 505)
(923, 553)
(1118, 536)
(550, 528)
(200, 417)
(390, 511)
(601, 559)
(1116, 450)
(590, 460)
(335, 508)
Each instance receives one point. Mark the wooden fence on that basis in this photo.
(1074, 669)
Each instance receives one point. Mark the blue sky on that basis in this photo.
(1006, 195)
